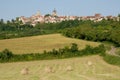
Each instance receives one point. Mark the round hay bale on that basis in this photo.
(49, 69)
(25, 71)
(69, 68)
(89, 63)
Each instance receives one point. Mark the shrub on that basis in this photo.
(6, 54)
(101, 49)
(55, 52)
(74, 47)
(66, 49)
(112, 59)
(88, 50)
(66, 52)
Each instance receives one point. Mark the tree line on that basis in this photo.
(15, 28)
(89, 30)
(100, 31)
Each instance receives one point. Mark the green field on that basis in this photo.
(37, 44)
(99, 70)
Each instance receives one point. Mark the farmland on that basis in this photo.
(82, 68)
(37, 44)
(99, 70)
(72, 42)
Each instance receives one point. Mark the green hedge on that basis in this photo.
(66, 52)
(115, 60)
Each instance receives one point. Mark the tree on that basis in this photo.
(1, 21)
(47, 15)
(8, 22)
(74, 47)
(13, 21)
(6, 54)
(118, 15)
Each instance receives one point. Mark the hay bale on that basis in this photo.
(69, 68)
(89, 63)
(49, 69)
(42, 78)
(25, 71)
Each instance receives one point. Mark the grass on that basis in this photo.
(99, 70)
(37, 44)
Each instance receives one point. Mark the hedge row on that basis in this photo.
(66, 52)
(115, 60)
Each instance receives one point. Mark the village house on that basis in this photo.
(54, 18)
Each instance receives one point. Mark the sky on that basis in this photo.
(10, 9)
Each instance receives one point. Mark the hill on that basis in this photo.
(81, 70)
(37, 44)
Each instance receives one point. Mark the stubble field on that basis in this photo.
(37, 44)
(83, 68)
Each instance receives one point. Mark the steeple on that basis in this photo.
(54, 13)
(38, 13)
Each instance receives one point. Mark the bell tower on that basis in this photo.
(54, 13)
(38, 13)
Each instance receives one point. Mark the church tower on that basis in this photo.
(54, 13)
(38, 13)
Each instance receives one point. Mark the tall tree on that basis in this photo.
(1, 21)
(118, 15)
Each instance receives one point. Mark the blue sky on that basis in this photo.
(14, 8)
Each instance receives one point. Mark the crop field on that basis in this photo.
(37, 44)
(83, 68)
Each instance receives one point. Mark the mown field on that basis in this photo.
(81, 70)
(37, 44)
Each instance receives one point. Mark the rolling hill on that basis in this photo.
(83, 68)
(80, 68)
(37, 44)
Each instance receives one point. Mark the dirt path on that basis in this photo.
(113, 51)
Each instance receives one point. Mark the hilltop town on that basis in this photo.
(54, 18)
